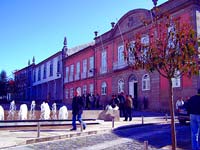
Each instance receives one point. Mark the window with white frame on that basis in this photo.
(71, 73)
(176, 82)
(58, 66)
(145, 82)
(121, 59)
(92, 62)
(103, 62)
(51, 69)
(145, 43)
(120, 85)
(91, 67)
(45, 71)
(71, 92)
(91, 88)
(131, 57)
(39, 74)
(79, 90)
(66, 93)
(34, 76)
(103, 88)
(77, 76)
(83, 75)
(171, 35)
(67, 74)
(84, 89)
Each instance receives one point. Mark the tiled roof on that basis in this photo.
(76, 49)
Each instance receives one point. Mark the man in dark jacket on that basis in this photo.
(193, 107)
(77, 110)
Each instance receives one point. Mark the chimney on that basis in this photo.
(112, 24)
(95, 33)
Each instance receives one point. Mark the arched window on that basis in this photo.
(103, 88)
(120, 85)
(145, 82)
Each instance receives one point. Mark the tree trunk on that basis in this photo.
(173, 130)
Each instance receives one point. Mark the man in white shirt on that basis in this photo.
(179, 102)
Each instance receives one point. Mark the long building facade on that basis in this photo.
(100, 67)
(111, 74)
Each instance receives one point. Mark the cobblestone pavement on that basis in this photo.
(158, 136)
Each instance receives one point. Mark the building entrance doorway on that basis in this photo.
(133, 87)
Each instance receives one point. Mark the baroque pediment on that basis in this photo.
(131, 20)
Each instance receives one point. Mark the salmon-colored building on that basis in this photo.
(100, 67)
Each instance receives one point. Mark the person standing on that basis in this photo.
(122, 104)
(128, 108)
(193, 107)
(77, 110)
(179, 102)
(97, 100)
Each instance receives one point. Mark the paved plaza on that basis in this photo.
(25, 137)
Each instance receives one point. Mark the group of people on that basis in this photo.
(91, 100)
(125, 104)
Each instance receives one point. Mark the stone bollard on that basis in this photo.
(113, 121)
(145, 145)
(81, 127)
(142, 119)
(166, 117)
(38, 129)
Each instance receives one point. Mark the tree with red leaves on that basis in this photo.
(170, 48)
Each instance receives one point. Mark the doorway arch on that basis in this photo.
(133, 86)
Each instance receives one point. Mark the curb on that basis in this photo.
(67, 136)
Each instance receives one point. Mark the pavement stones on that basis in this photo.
(10, 138)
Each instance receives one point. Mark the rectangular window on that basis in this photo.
(51, 69)
(145, 43)
(71, 76)
(67, 74)
(103, 88)
(71, 92)
(121, 54)
(84, 89)
(39, 74)
(83, 75)
(103, 62)
(78, 70)
(66, 93)
(58, 66)
(91, 88)
(45, 71)
(91, 67)
(34, 76)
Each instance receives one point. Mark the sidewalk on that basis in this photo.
(11, 137)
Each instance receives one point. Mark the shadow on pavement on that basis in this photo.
(157, 135)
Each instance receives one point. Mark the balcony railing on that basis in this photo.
(119, 65)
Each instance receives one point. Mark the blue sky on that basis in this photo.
(37, 27)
